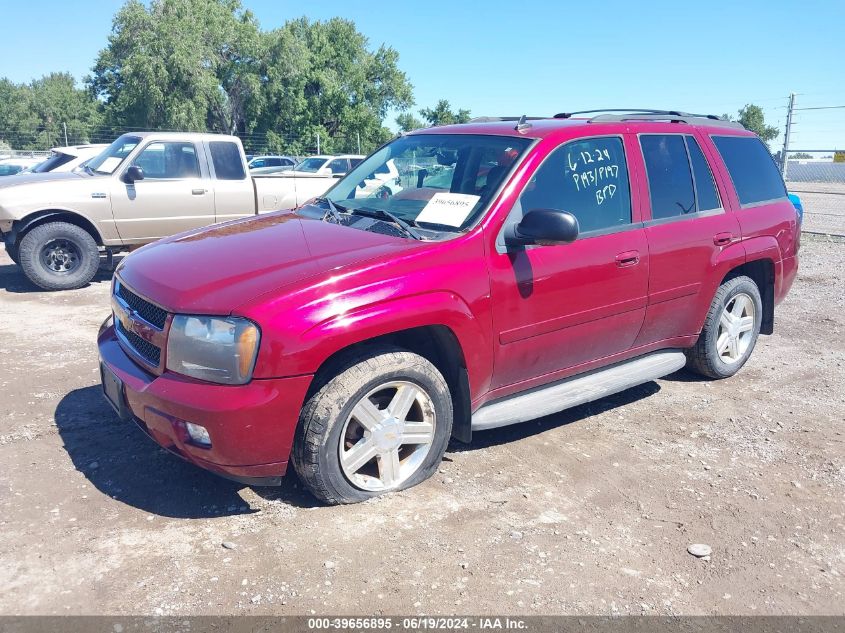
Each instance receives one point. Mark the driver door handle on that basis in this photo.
(628, 258)
(198, 192)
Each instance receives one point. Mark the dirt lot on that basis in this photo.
(587, 512)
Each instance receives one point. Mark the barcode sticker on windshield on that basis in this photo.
(450, 209)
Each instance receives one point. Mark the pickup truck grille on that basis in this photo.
(151, 313)
(145, 349)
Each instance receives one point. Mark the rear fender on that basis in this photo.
(724, 261)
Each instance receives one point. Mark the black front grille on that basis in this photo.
(145, 349)
(151, 313)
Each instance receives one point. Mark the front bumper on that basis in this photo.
(251, 426)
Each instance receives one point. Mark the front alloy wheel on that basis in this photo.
(387, 436)
(379, 420)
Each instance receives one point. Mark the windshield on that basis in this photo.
(310, 165)
(56, 160)
(437, 181)
(113, 155)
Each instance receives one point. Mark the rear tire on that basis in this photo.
(380, 422)
(730, 330)
(59, 256)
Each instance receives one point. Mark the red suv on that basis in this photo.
(460, 278)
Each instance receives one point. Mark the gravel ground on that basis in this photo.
(586, 512)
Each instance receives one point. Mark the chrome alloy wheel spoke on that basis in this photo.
(387, 436)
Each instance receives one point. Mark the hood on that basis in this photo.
(216, 269)
(19, 180)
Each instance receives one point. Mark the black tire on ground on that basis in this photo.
(74, 245)
(315, 454)
(704, 358)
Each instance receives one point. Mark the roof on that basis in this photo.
(541, 127)
(197, 136)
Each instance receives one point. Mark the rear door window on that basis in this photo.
(670, 183)
(752, 169)
(589, 179)
(226, 159)
(705, 189)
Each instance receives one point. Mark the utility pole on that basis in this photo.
(318, 143)
(359, 141)
(786, 133)
(64, 125)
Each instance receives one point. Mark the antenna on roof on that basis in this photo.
(522, 124)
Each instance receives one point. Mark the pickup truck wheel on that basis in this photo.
(380, 423)
(730, 330)
(59, 256)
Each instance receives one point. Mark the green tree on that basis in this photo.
(442, 114)
(799, 155)
(839, 157)
(751, 117)
(407, 122)
(323, 79)
(34, 115)
(185, 64)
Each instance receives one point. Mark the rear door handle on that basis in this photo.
(198, 192)
(628, 258)
(720, 239)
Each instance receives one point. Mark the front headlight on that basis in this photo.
(217, 349)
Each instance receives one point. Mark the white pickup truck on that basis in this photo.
(142, 187)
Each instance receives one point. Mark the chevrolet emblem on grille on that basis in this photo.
(131, 322)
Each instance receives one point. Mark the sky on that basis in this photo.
(540, 57)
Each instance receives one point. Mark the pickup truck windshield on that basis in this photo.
(113, 155)
(310, 165)
(437, 181)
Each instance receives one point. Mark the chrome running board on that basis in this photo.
(548, 399)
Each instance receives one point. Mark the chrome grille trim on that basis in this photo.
(147, 310)
(146, 350)
(141, 338)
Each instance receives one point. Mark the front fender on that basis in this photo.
(19, 227)
(320, 341)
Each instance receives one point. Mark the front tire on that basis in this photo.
(380, 422)
(730, 330)
(59, 256)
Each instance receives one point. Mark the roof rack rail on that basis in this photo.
(489, 119)
(567, 115)
(637, 114)
(691, 119)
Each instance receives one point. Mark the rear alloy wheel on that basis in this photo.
(380, 422)
(736, 329)
(730, 330)
(59, 256)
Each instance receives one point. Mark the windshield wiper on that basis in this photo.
(381, 214)
(333, 211)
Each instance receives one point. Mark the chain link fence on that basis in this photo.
(34, 142)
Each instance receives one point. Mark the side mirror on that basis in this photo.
(545, 226)
(132, 174)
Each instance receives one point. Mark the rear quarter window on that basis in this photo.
(227, 160)
(752, 169)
